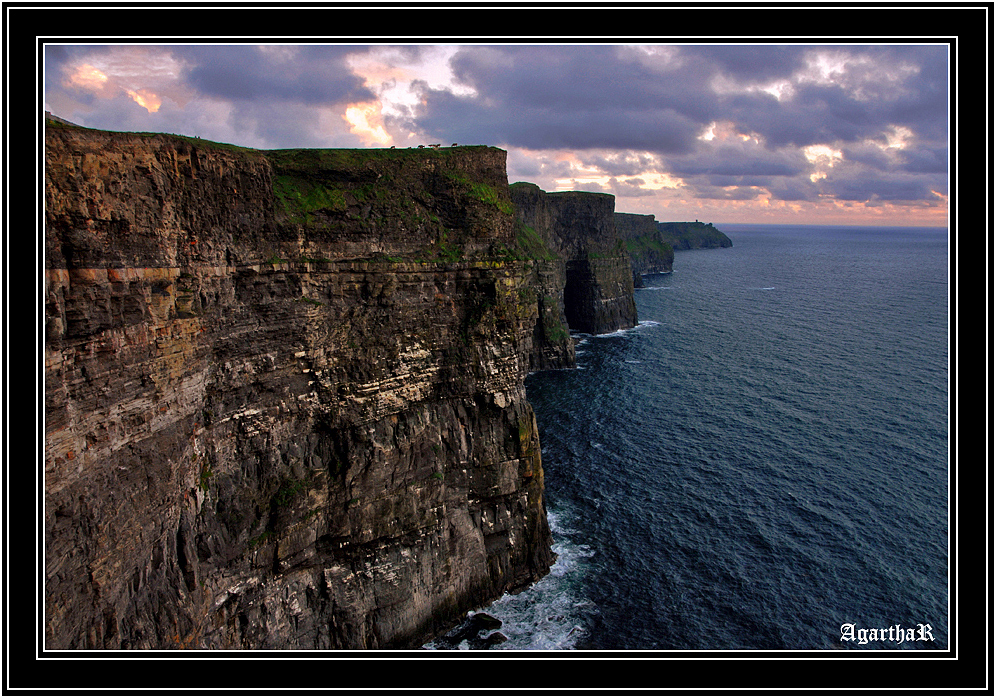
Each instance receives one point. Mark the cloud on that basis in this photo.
(730, 122)
(634, 187)
(558, 97)
(538, 126)
(704, 190)
(749, 63)
(865, 186)
(786, 189)
(258, 96)
(927, 160)
(739, 160)
(724, 122)
(621, 97)
(308, 74)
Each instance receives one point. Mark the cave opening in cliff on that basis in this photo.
(578, 298)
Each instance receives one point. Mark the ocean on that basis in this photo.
(760, 464)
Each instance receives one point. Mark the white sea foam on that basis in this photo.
(551, 614)
(642, 324)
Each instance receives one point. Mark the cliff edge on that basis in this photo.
(649, 251)
(284, 402)
(579, 228)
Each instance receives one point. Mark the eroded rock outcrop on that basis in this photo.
(284, 393)
(649, 252)
(580, 229)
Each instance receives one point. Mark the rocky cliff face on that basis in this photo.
(580, 230)
(284, 393)
(649, 252)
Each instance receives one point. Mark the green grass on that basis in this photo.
(555, 334)
(481, 191)
(300, 198)
(204, 479)
(288, 490)
(447, 251)
(645, 244)
(531, 244)
(489, 195)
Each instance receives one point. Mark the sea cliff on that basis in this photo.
(579, 228)
(648, 250)
(284, 389)
(284, 393)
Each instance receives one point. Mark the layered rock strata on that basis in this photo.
(579, 228)
(284, 394)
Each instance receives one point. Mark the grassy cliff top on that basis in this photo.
(302, 159)
(693, 235)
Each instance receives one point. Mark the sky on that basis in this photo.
(845, 133)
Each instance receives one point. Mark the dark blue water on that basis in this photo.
(761, 461)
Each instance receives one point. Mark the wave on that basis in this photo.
(551, 614)
(642, 324)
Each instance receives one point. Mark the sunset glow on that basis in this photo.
(365, 121)
(88, 77)
(146, 99)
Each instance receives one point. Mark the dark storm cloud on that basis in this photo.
(544, 126)
(566, 97)
(550, 77)
(661, 100)
(611, 97)
(623, 110)
(878, 89)
(793, 189)
(865, 186)
(817, 114)
(914, 159)
(304, 74)
(706, 191)
(738, 159)
(926, 160)
(821, 114)
(749, 62)
(265, 96)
